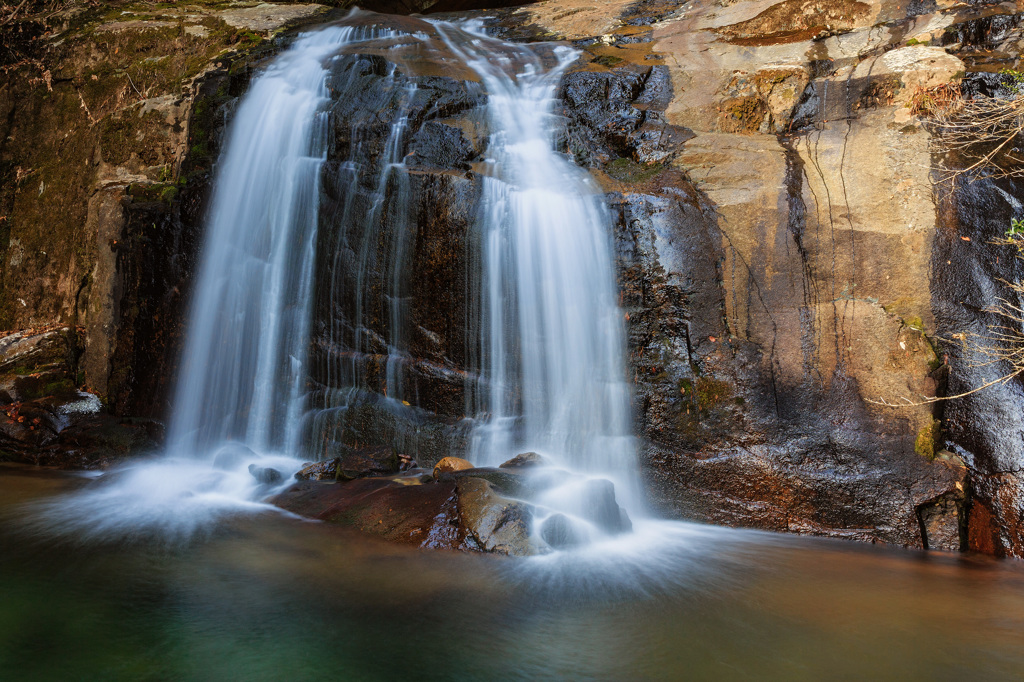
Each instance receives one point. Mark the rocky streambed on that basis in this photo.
(499, 510)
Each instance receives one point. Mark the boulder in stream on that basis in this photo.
(265, 475)
(449, 465)
(524, 460)
(559, 532)
(601, 509)
(497, 524)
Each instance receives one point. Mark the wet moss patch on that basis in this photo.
(927, 437)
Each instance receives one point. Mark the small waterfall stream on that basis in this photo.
(551, 377)
(243, 370)
(552, 336)
(236, 422)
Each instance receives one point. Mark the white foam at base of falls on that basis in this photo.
(240, 392)
(552, 334)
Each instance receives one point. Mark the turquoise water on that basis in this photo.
(272, 598)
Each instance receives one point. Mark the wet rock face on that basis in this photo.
(767, 308)
(44, 418)
(984, 428)
(109, 131)
(390, 349)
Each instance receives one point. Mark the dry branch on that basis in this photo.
(981, 130)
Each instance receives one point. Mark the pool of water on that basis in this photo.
(267, 597)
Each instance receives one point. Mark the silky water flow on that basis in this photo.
(551, 334)
(234, 430)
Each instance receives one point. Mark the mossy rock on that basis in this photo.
(627, 170)
(927, 437)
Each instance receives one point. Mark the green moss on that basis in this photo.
(157, 191)
(33, 388)
(608, 60)
(711, 392)
(915, 322)
(915, 41)
(627, 170)
(927, 437)
(168, 194)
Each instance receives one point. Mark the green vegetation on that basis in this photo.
(1013, 79)
(608, 60)
(627, 170)
(710, 392)
(924, 445)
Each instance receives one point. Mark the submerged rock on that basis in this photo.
(559, 532)
(266, 475)
(600, 508)
(232, 455)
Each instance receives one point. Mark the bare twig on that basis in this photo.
(981, 130)
(13, 15)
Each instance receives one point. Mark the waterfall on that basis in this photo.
(552, 374)
(551, 332)
(237, 415)
(243, 370)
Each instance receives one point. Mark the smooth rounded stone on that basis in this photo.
(525, 459)
(449, 465)
(326, 470)
(545, 479)
(497, 524)
(265, 475)
(231, 455)
(601, 509)
(559, 532)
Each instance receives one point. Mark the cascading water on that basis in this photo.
(551, 330)
(243, 371)
(552, 371)
(235, 428)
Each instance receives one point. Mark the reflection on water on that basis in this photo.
(272, 598)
